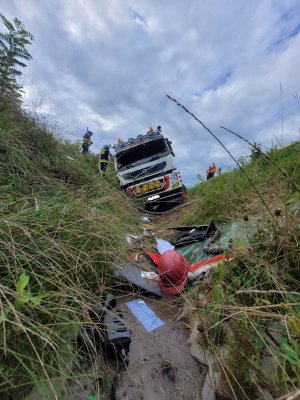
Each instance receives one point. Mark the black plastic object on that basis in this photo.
(108, 302)
(107, 331)
(191, 234)
(92, 335)
(117, 337)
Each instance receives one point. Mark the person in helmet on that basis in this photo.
(173, 272)
(104, 158)
(150, 130)
(87, 142)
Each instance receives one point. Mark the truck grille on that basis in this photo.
(141, 173)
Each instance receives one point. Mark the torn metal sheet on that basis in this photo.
(132, 274)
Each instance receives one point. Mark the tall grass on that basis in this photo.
(61, 229)
(249, 309)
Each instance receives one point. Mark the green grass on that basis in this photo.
(230, 194)
(244, 301)
(62, 227)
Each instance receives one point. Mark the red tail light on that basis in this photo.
(167, 182)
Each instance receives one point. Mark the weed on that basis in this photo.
(251, 305)
(61, 229)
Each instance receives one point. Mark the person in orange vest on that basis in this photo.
(213, 170)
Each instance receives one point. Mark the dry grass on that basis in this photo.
(61, 229)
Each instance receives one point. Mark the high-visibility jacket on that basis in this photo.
(104, 155)
(213, 169)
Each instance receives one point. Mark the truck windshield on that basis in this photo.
(143, 152)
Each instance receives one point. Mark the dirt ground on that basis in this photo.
(160, 364)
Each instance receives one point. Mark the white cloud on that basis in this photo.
(112, 62)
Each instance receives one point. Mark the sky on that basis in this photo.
(109, 64)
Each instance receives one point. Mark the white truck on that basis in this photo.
(145, 168)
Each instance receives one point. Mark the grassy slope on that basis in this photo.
(231, 195)
(245, 301)
(61, 228)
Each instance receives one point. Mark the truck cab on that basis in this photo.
(146, 168)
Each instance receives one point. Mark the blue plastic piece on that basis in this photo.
(145, 315)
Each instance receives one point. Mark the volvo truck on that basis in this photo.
(146, 169)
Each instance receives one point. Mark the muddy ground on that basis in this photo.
(160, 364)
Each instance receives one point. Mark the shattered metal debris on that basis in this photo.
(131, 273)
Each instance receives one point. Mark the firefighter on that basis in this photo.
(87, 142)
(104, 158)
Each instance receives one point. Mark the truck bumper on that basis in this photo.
(169, 196)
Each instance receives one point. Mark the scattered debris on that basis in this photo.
(163, 246)
(160, 364)
(145, 218)
(200, 269)
(131, 273)
(145, 315)
(154, 257)
(190, 234)
(131, 239)
(150, 275)
(117, 338)
(107, 330)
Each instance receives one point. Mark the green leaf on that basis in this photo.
(289, 353)
(37, 300)
(23, 282)
(24, 298)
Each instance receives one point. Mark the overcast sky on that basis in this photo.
(110, 63)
